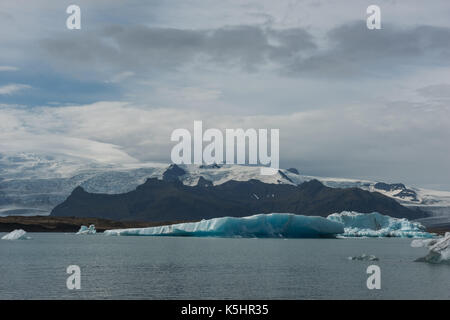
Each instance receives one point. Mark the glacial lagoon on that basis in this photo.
(215, 268)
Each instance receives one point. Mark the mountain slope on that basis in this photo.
(171, 200)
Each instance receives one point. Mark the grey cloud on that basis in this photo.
(144, 48)
(438, 91)
(352, 50)
(6, 16)
(355, 50)
(387, 129)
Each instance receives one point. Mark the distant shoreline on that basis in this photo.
(72, 224)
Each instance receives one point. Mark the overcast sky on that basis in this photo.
(349, 102)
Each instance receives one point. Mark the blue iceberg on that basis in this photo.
(287, 225)
(274, 225)
(86, 230)
(377, 225)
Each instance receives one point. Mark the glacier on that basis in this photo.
(273, 225)
(18, 234)
(439, 249)
(33, 184)
(377, 225)
(86, 230)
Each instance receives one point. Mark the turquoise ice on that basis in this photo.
(287, 225)
(86, 230)
(274, 225)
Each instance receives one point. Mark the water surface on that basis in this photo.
(214, 268)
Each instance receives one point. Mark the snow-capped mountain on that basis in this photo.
(34, 184)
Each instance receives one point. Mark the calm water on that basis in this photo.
(213, 268)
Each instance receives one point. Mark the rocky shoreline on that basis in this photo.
(69, 224)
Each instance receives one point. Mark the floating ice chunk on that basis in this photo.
(86, 230)
(364, 257)
(439, 249)
(274, 225)
(422, 243)
(377, 225)
(18, 234)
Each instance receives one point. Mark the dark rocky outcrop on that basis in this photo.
(389, 187)
(293, 170)
(210, 166)
(202, 182)
(403, 192)
(173, 173)
(281, 173)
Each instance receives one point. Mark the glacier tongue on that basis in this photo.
(377, 225)
(274, 225)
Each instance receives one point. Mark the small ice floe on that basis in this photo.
(364, 257)
(18, 234)
(439, 249)
(86, 230)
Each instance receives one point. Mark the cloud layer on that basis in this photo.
(374, 140)
(351, 50)
(348, 101)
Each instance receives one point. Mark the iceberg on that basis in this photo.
(439, 249)
(377, 225)
(288, 225)
(18, 234)
(86, 230)
(274, 225)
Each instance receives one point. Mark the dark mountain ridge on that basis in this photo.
(170, 200)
